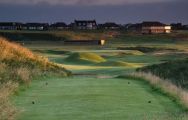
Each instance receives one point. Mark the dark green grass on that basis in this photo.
(146, 49)
(84, 98)
(176, 71)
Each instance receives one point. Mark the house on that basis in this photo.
(177, 26)
(133, 27)
(109, 26)
(84, 42)
(59, 26)
(70, 26)
(35, 26)
(10, 26)
(155, 28)
(185, 27)
(85, 24)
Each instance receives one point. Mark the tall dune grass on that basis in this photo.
(18, 65)
(181, 95)
(7, 110)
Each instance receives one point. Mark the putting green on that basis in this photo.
(92, 98)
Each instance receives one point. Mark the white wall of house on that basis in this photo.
(156, 29)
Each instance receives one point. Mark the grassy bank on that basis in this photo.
(19, 65)
(166, 87)
(175, 71)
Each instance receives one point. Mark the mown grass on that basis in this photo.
(166, 87)
(19, 65)
(120, 64)
(83, 98)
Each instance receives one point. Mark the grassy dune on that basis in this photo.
(120, 64)
(85, 57)
(19, 65)
(175, 71)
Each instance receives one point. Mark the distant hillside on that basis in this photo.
(51, 35)
(30, 36)
(176, 71)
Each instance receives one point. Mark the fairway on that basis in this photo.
(94, 91)
(92, 98)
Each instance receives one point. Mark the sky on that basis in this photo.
(119, 11)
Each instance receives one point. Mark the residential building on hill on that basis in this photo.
(85, 24)
(155, 28)
(109, 26)
(59, 26)
(35, 26)
(10, 26)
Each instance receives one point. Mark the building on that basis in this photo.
(133, 27)
(176, 26)
(155, 28)
(109, 26)
(84, 42)
(185, 27)
(10, 26)
(85, 24)
(59, 26)
(35, 26)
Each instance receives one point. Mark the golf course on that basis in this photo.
(96, 90)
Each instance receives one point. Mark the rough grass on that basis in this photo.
(80, 35)
(179, 94)
(145, 49)
(7, 110)
(20, 65)
(176, 71)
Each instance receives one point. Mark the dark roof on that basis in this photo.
(137, 25)
(36, 24)
(85, 21)
(82, 42)
(109, 24)
(71, 25)
(149, 23)
(10, 23)
(77, 22)
(58, 24)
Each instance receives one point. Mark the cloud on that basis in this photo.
(83, 2)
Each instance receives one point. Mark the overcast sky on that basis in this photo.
(120, 11)
(83, 2)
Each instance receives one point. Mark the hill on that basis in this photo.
(119, 64)
(85, 58)
(175, 71)
(19, 65)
